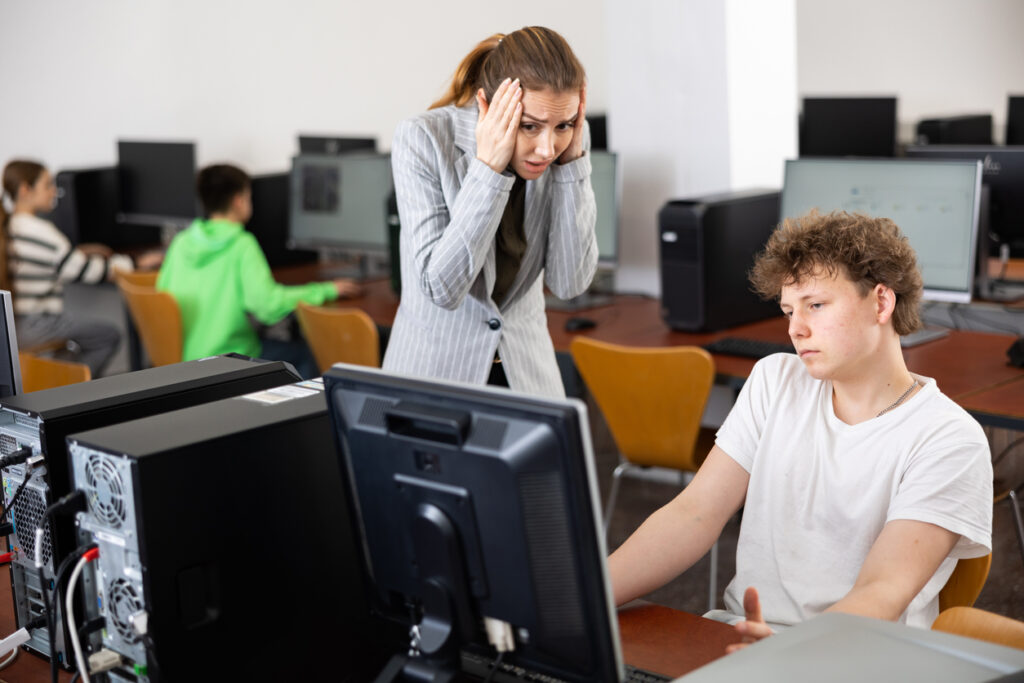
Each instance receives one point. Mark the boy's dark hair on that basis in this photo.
(218, 184)
(868, 250)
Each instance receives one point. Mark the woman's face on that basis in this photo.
(545, 130)
(41, 196)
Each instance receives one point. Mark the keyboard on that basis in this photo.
(635, 675)
(748, 348)
(480, 667)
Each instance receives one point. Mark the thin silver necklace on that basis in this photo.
(900, 400)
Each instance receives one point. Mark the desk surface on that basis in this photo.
(654, 638)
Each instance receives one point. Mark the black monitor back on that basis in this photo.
(87, 205)
(848, 126)
(598, 131)
(269, 221)
(157, 182)
(324, 144)
(1015, 120)
(973, 129)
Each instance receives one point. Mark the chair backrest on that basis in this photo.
(982, 625)
(46, 373)
(339, 335)
(140, 278)
(158, 320)
(965, 583)
(652, 398)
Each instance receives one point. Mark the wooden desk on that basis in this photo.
(999, 406)
(654, 638)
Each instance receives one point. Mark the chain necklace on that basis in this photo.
(900, 400)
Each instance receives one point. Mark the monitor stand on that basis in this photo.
(358, 267)
(597, 295)
(922, 336)
(1001, 291)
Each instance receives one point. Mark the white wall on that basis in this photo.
(243, 78)
(940, 57)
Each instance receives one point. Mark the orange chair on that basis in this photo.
(158, 320)
(140, 278)
(339, 335)
(653, 400)
(982, 625)
(46, 373)
(965, 583)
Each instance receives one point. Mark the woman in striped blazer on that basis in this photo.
(493, 189)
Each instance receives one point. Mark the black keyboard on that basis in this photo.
(748, 348)
(635, 675)
(480, 667)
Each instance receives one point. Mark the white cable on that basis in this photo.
(39, 547)
(10, 658)
(69, 613)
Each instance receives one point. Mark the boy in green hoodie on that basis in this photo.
(217, 272)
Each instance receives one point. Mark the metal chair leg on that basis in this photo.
(713, 579)
(616, 477)
(1018, 520)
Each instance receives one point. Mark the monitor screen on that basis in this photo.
(326, 144)
(340, 201)
(10, 365)
(934, 203)
(479, 503)
(158, 182)
(606, 192)
(848, 126)
(1003, 174)
(1015, 120)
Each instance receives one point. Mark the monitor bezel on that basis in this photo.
(13, 356)
(937, 294)
(610, 261)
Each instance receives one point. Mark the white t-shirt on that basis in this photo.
(821, 490)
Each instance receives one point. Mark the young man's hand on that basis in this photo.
(346, 288)
(754, 628)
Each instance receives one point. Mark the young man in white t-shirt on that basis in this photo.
(861, 483)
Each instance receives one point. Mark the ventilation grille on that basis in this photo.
(8, 444)
(551, 545)
(373, 412)
(123, 601)
(105, 491)
(24, 421)
(28, 513)
(488, 433)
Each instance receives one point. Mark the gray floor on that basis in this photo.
(1003, 593)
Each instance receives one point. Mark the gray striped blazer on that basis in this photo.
(450, 204)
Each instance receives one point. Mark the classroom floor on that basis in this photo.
(1003, 592)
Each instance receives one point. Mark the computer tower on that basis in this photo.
(260, 576)
(269, 221)
(707, 247)
(87, 203)
(974, 129)
(42, 420)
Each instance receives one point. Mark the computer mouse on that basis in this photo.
(579, 324)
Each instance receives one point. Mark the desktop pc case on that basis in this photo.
(707, 247)
(258, 578)
(43, 419)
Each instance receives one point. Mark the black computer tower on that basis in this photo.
(42, 420)
(973, 129)
(707, 248)
(269, 221)
(259, 577)
(87, 204)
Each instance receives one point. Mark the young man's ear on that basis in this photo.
(885, 302)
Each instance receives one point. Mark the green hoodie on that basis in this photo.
(218, 273)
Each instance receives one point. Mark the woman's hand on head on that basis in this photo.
(498, 124)
(575, 149)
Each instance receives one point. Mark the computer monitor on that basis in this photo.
(477, 503)
(598, 131)
(269, 220)
(972, 129)
(934, 203)
(327, 144)
(1003, 174)
(848, 126)
(10, 365)
(158, 183)
(605, 180)
(340, 202)
(1015, 120)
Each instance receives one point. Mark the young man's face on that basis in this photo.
(836, 330)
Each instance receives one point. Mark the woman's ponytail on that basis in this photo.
(467, 75)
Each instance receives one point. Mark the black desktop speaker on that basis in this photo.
(707, 247)
(974, 129)
(87, 202)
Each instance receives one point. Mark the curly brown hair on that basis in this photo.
(868, 250)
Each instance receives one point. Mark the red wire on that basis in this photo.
(92, 554)
(5, 558)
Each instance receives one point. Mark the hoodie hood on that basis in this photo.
(205, 239)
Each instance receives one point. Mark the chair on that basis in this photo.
(965, 583)
(141, 278)
(158, 320)
(46, 373)
(982, 625)
(339, 335)
(653, 400)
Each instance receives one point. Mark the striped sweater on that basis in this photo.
(41, 259)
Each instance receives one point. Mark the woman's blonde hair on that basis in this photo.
(539, 57)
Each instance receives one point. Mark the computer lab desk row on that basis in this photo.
(654, 638)
(970, 367)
